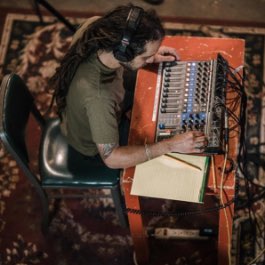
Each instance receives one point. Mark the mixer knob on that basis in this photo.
(190, 123)
(168, 64)
(173, 63)
(202, 127)
(184, 122)
(215, 117)
(161, 126)
(204, 84)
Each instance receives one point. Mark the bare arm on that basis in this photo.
(116, 156)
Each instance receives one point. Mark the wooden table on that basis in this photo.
(142, 128)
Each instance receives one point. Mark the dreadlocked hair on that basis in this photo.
(103, 34)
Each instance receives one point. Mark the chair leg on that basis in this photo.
(45, 221)
(45, 211)
(119, 205)
(47, 215)
(56, 207)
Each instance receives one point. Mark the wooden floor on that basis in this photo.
(221, 11)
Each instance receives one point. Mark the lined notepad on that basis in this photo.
(167, 178)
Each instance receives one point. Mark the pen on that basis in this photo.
(183, 162)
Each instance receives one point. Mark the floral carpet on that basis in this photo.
(87, 232)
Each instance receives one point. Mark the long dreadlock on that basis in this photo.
(103, 34)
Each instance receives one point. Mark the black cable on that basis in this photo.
(252, 195)
(38, 12)
(250, 185)
(54, 12)
(179, 214)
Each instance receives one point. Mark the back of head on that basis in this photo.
(106, 33)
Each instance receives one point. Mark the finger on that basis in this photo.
(168, 58)
(199, 145)
(169, 51)
(198, 134)
(201, 139)
(198, 150)
(175, 54)
(163, 58)
(166, 49)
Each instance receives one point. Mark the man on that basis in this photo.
(89, 86)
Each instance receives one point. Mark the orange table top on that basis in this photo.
(143, 129)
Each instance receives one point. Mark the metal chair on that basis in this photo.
(60, 166)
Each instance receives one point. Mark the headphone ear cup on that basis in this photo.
(129, 54)
(123, 55)
(119, 55)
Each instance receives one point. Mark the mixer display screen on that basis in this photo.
(192, 97)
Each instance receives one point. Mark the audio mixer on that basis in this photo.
(192, 97)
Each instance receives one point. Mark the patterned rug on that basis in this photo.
(87, 232)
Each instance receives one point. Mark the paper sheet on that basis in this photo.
(164, 177)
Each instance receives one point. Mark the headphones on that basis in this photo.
(124, 52)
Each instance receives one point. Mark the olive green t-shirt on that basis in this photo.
(93, 106)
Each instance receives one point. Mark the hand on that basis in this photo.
(189, 142)
(166, 54)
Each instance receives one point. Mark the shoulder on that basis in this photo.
(83, 27)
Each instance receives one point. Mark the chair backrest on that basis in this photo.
(16, 104)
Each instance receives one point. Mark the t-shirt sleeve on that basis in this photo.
(102, 120)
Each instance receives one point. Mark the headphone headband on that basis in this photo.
(133, 18)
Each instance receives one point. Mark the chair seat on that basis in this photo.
(62, 166)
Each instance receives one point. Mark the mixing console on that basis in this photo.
(192, 97)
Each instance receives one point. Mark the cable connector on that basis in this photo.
(226, 127)
(236, 70)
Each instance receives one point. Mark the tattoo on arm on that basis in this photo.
(107, 149)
